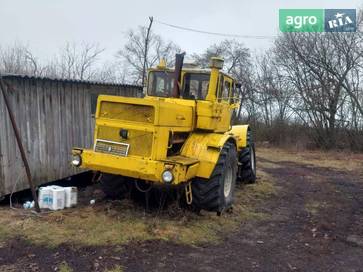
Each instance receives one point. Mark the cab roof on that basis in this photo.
(191, 70)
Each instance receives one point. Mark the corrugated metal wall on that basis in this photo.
(53, 116)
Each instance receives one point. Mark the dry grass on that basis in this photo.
(345, 161)
(121, 222)
(64, 267)
(9, 268)
(315, 207)
(117, 268)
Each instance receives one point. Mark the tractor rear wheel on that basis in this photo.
(113, 186)
(216, 194)
(247, 162)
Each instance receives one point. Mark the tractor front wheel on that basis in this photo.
(247, 162)
(216, 194)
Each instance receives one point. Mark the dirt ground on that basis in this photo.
(313, 222)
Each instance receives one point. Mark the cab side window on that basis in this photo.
(196, 86)
(226, 90)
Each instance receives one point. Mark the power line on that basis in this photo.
(215, 33)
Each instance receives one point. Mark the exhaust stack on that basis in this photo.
(179, 59)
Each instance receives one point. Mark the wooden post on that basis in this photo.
(20, 144)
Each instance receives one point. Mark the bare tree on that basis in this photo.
(236, 57)
(71, 62)
(112, 72)
(318, 65)
(134, 51)
(75, 62)
(86, 59)
(18, 59)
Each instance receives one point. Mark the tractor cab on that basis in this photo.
(193, 83)
(213, 91)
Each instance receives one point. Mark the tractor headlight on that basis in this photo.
(76, 160)
(167, 176)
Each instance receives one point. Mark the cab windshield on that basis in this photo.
(195, 85)
(160, 84)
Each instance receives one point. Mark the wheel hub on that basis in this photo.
(228, 180)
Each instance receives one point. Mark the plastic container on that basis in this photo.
(44, 197)
(28, 205)
(70, 197)
(51, 197)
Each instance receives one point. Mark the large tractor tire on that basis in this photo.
(113, 186)
(216, 194)
(247, 162)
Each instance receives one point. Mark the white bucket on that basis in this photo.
(70, 197)
(51, 197)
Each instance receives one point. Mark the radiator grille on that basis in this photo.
(109, 147)
(140, 142)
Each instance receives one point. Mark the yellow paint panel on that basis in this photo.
(150, 170)
(204, 147)
(176, 115)
(240, 133)
(213, 116)
(128, 112)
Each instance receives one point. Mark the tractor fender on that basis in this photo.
(240, 134)
(206, 147)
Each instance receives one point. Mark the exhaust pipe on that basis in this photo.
(179, 59)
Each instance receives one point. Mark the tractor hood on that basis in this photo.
(140, 127)
(147, 111)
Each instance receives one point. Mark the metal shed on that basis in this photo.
(53, 115)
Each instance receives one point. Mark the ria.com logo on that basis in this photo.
(317, 20)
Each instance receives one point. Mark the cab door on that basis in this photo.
(223, 104)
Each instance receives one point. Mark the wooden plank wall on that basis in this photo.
(53, 116)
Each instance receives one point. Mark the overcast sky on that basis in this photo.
(45, 25)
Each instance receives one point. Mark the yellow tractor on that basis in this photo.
(179, 135)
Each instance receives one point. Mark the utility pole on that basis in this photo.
(146, 49)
